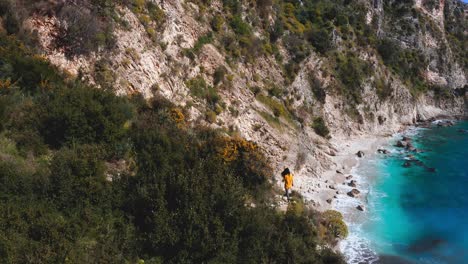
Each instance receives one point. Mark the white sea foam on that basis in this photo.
(357, 248)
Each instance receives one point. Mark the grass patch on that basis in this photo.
(278, 109)
(199, 88)
(272, 120)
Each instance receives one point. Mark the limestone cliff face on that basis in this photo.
(159, 65)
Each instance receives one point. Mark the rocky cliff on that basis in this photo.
(293, 76)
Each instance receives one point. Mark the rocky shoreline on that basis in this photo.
(349, 158)
(339, 179)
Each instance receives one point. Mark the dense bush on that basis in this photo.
(25, 69)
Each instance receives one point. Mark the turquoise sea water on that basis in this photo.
(415, 215)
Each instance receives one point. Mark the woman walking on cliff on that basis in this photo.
(288, 182)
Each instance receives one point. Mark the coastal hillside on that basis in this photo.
(287, 75)
(137, 119)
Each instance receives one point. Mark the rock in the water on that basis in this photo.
(329, 201)
(383, 151)
(446, 123)
(401, 144)
(407, 164)
(354, 193)
(352, 183)
(406, 139)
(349, 177)
(360, 154)
(411, 149)
(360, 207)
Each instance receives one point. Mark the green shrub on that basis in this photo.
(383, 89)
(28, 71)
(156, 14)
(205, 39)
(219, 75)
(320, 127)
(232, 6)
(320, 39)
(276, 106)
(104, 74)
(217, 23)
(239, 26)
(199, 88)
(334, 226)
(317, 89)
(275, 90)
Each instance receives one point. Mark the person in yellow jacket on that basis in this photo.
(288, 182)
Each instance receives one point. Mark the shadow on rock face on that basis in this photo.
(388, 259)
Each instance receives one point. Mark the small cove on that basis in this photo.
(414, 215)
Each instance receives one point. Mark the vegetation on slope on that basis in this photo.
(90, 177)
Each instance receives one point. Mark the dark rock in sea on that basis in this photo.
(446, 123)
(411, 149)
(409, 145)
(354, 193)
(406, 139)
(360, 154)
(418, 162)
(349, 177)
(352, 183)
(401, 144)
(407, 164)
(431, 169)
(360, 207)
(410, 156)
(329, 201)
(383, 151)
